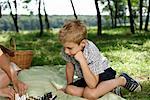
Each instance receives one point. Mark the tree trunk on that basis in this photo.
(14, 17)
(116, 12)
(119, 20)
(141, 20)
(75, 15)
(124, 18)
(147, 18)
(40, 19)
(46, 18)
(0, 11)
(16, 23)
(111, 13)
(131, 17)
(99, 30)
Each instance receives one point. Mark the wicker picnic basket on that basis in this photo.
(23, 58)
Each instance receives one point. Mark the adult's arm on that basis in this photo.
(6, 66)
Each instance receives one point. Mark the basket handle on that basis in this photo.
(12, 44)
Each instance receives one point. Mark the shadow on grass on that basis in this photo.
(137, 42)
(47, 48)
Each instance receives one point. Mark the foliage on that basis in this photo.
(31, 22)
(125, 51)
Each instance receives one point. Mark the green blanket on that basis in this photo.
(44, 79)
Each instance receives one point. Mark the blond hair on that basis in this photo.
(73, 31)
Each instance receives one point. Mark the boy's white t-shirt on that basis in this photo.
(1, 52)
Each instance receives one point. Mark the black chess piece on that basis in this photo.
(42, 98)
(49, 95)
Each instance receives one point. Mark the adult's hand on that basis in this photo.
(20, 87)
(8, 92)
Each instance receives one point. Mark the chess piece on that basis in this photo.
(49, 95)
(17, 97)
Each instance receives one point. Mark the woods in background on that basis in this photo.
(133, 13)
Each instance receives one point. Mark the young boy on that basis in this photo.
(8, 71)
(96, 77)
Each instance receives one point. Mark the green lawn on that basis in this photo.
(126, 52)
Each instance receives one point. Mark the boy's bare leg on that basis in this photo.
(74, 90)
(103, 88)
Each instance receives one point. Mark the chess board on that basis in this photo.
(47, 96)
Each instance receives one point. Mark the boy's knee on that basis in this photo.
(69, 90)
(90, 95)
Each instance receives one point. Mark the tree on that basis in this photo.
(75, 15)
(14, 17)
(147, 18)
(117, 9)
(116, 12)
(141, 20)
(0, 11)
(3, 6)
(99, 24)
(111, 13)
(109, 8)
(39, 14)
(40, 19)
(46, 18)
(131, 17)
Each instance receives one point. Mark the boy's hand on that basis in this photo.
(20, 87)
(79, 56)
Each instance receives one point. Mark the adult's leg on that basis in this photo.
(103, 88)
(5, 90)
(4, 79)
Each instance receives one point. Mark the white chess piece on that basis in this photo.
(23, 97)
(17, 97)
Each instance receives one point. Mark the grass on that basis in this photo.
(126, 52)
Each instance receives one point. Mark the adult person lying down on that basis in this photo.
(8, 73)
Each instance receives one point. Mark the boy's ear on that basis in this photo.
(83, 42)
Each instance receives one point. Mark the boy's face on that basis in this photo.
(72, 48)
